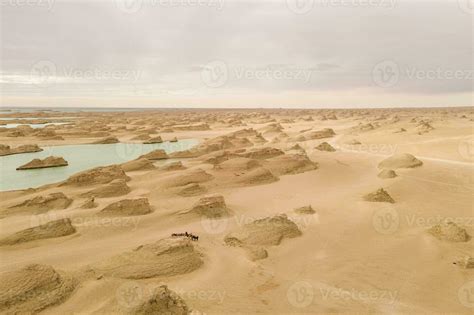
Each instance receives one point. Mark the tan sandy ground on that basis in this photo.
(352, 255)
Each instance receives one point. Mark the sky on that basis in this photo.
(228, 53)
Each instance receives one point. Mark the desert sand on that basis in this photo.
(363, 211)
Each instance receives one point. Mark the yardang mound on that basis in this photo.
(33, 288)
(449, 231)
(128, 207)
(404, 160)
(51, 229)
(41, 204)
(325, 147)
(50, 161)
(210, 207)
(117, 187)
(379, 196)
(267, 231)
(166, 257)
(98, 175)
(387, 174)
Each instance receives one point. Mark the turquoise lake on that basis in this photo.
(80, 157)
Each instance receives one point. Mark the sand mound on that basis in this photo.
(325, 147)
(320, 134)
(218, 157)
(140, 164)
(354, 142)
(305, 210)
(404, 160)
(160, 301)
(387, 174)
(51, 229)
(117, 187)
(41, 204)
(210, 207)
(232, 140)
(108, 140)
(98, 175)
(173, 166)
(166, 257)
(262, 153)
(33, 288)
(158, 154)
(27, 148)
(50, 161)
(267, 231)
(291, 164)
(153, 140)
(128, 207)
(187, 177)
(259, 175)
(239, 164)
(89, 204)
(256, 253)
(192, 189)
(424, 127)
(449, 231)
(465, 262)
(143, 136)
(379, 196)
(174, 139)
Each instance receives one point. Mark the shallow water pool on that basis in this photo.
(80, 157)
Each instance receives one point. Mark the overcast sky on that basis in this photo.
(224, 53)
